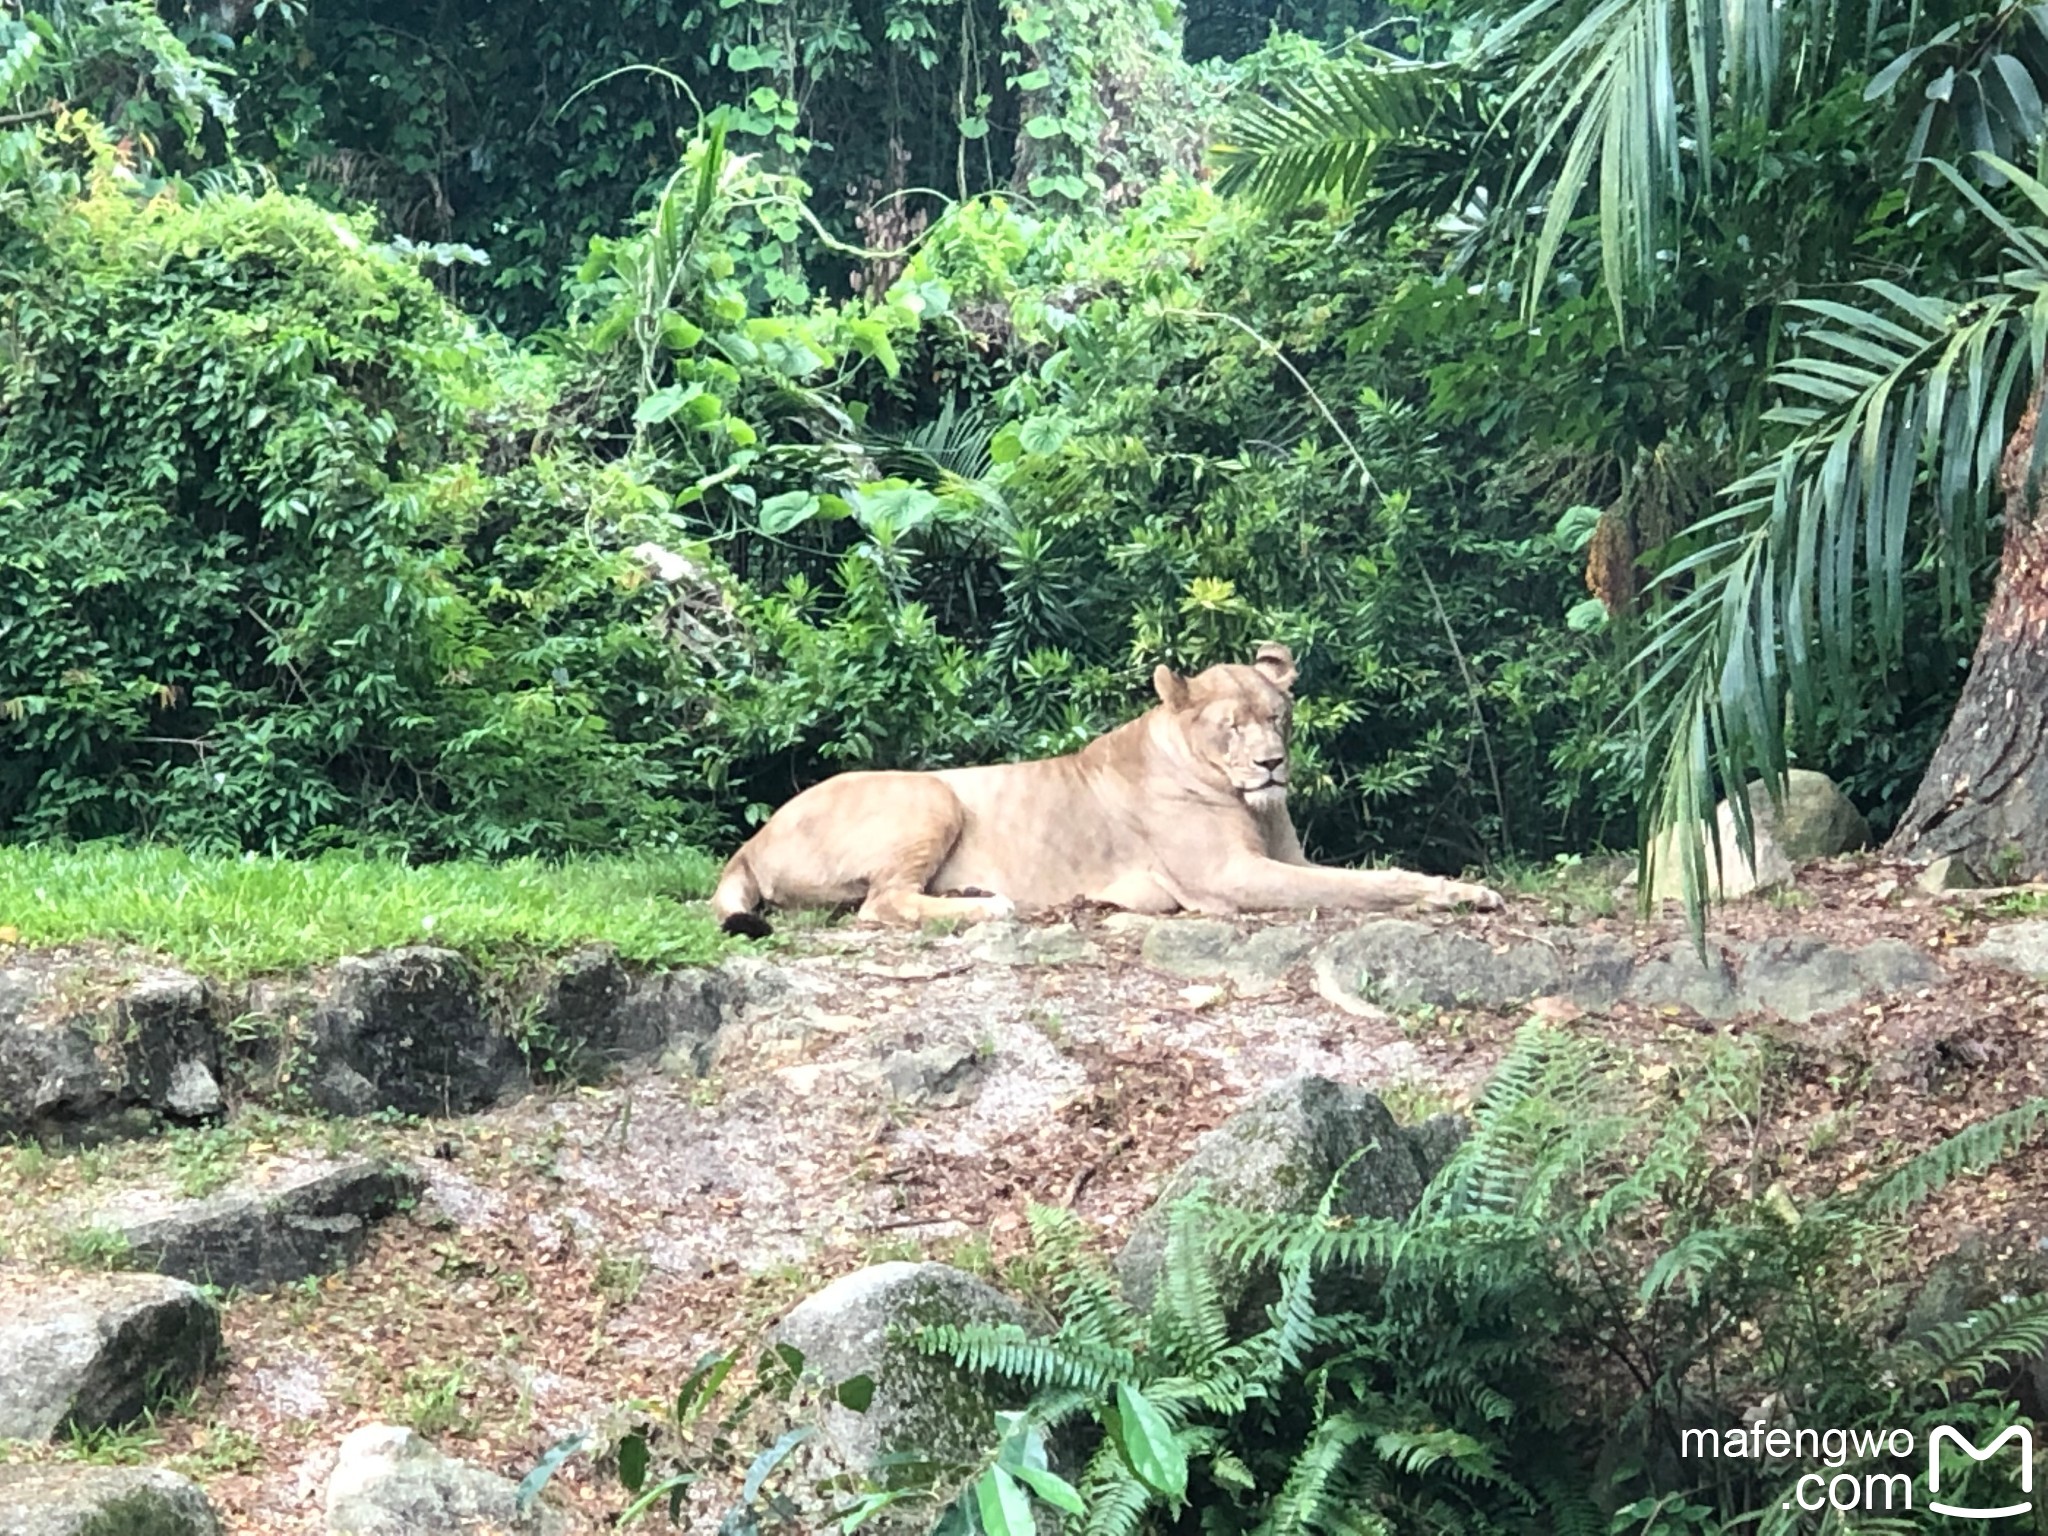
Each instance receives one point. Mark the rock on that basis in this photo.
(73, 1499)
(1797, 978)
(1281, 1153)
(1013, 943)
(1680, 979)
(1985, 1267)
(170, 1051)
(685, 1011)
(1200, 948)
(117, 1071)
(922, 1403)
(1815, 819)
(280, 1226)
(1395, 963)
(1947, 873)
(1434, 1140)
(2021, 947)
(1734, 877)
(938, 1074)
(1193, 948)
(193, 1092)
(404, 1030)
(389, 1482)
(95, 1351)
(1140, 923)
(595, 1015)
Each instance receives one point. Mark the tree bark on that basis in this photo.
(1984, 799)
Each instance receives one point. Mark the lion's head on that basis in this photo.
(1235, 721)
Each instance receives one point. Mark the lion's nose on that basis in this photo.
(1272, 764)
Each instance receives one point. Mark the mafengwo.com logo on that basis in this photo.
(1874, 1471)
(2022, 1440)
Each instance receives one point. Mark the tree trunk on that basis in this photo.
(1984, 799)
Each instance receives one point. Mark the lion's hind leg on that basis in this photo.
(926, 818)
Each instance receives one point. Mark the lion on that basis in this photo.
(1183, 809)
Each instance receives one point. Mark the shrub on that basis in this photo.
(259, 583)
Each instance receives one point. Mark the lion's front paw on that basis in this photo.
(995, 908)
(1457, 893)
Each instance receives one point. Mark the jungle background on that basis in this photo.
(502, 428)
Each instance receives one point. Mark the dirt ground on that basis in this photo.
(579, 1250)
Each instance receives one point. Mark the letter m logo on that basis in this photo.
(2017, 1432)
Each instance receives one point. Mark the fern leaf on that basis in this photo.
(1971, 1150)
(1971, 1348)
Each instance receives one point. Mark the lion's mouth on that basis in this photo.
(1269, 794)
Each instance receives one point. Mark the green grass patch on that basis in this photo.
(232, 917)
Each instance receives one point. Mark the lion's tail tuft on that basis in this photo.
(737, 901)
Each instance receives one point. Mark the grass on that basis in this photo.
(236, 917)
(1574, 886)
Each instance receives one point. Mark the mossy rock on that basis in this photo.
(1281, 1153)
(861, 1326)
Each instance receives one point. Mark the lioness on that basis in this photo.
(1184, 808)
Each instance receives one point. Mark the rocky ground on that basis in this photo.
(528, 1265)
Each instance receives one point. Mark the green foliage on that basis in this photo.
(262, 590)
(1885, 397)
(1585, 1281)
(236, 917)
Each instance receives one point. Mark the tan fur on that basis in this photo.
(1183, 809)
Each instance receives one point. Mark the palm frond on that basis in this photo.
(1882, 397)
(1328, 137)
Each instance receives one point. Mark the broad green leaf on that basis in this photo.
(1051, 1487)
(779, 514)
(1004, 1507)
(633, 1461)
(871, 339)
(664, 403)
(856, 1392)
(1150, 1445)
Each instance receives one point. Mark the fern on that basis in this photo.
(1970, 1349)
(1004, 1349)
(1583, 1271)
(1968, 1151)
(1309, 1485)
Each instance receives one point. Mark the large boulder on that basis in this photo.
(1281, 1153)
(1735, 875)
(403, 1029)
(859, 1326)
(280, 1225)
(1398, 963)
(67, 1075)
(1815, 820)
(78, 1500)
(389, 1482)
(97, 1351)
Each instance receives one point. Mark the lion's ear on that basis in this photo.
(1277, 663)
(1171, 687)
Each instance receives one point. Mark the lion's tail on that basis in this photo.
(737, 901)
